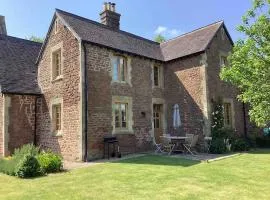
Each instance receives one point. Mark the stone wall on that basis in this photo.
(21, 121)
(185, 85)
(100, 93)
(67, 89)
(217, 88)
(17, 122)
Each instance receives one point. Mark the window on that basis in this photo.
(223, 61)
(119, 64)
(223, 34)
(56, 24)
(56, 64)
(157, 116)
(56, 117)
(120, 115)
(156, 75)
(227, 112)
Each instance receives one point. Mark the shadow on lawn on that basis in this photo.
(159, 160)
(259, 151)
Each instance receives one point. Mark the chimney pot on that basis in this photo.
(110, 6)
(109, 17)
(3, 29)
(104, 6)
(113, 7)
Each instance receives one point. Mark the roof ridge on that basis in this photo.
(104, 26)
(190, 32)
(23, 40)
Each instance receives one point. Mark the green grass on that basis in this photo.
(151, 177)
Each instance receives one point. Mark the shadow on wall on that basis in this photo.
(159, 160)
(183, 86)
(45, 139)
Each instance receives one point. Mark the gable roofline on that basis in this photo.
(105, 26)
(56, 14)
(30, 42)
(190, 32)
(227, 33)
(59, 12)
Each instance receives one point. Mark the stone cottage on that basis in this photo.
(90, 79)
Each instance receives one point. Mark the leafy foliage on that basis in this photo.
(160, 38)
(249, 63)
(28, 149)
(50, 162)
(218, 146)
(29, 162)
(217, 116)
(35, 39)
(8, 166)
(240, 144)
(27, 167)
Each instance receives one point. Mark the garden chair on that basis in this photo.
(190, 142)
(167, 145)
(158, 147)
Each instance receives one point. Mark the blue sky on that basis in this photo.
(146, 18)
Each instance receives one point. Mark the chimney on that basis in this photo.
(3, 29)
(109, 17)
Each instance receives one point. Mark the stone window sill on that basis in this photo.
(58, 78)
(123, 132)
(57, 134)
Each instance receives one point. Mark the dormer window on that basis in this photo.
(119, 65)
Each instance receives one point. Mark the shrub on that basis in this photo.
(240, 144)
(218, 146)
(8, 166)
(28, 149)
(50, 162)
(28, 166)
(263, 142)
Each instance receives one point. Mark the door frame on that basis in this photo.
(163, 116)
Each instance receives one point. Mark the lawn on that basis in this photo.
(151, 177)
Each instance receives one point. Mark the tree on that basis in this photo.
(36, 39)
(160, 38)
(249, 63)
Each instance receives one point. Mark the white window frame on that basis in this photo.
(129, 115)
(56, 102)
(54, 50)
(230, 101)
(127, 69)
(56, 26)
(221, 56)
(160, 76)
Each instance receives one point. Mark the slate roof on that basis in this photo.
(97, 33)
(190, 43)
(18, 72)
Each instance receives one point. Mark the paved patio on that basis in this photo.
(203, 157)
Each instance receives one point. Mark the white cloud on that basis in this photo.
(160, 29)
(167, 32)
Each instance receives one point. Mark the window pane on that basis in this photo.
(57, 117)
(156, 76)
(122, 69)
(115, 68)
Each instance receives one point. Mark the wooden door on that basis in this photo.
(158, 121)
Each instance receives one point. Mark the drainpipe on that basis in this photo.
(85, 106)
(35, 131)
(245, 120)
